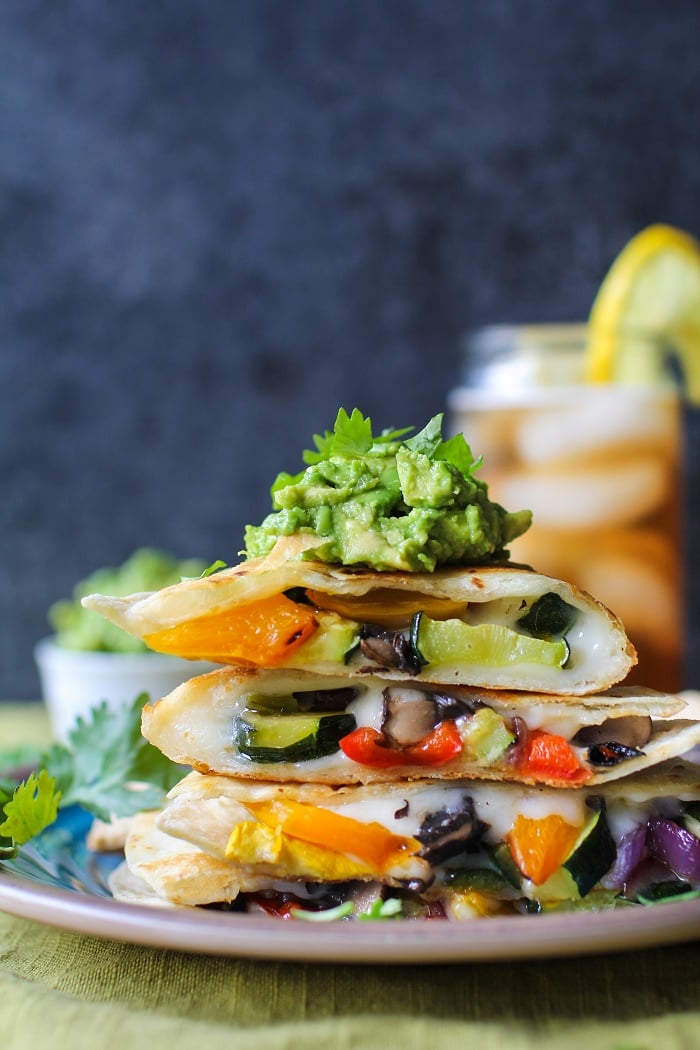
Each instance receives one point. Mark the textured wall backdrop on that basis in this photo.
(222, 220)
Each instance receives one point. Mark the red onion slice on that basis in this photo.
(631, 851)
(675, 847)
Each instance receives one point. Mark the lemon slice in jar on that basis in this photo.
(647, 312)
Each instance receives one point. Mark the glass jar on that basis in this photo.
(599, 465)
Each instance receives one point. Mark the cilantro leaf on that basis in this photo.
(351, 437)
(7, 788)
(33, 807)
(353, 433)
(457, 453)
(216, 566)
(454, 451)
(428, 439)
(110, 768)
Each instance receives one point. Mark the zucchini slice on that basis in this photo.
(290, 737)
(493, 645)
(593, 854)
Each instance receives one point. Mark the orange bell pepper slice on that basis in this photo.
(540, 847)
(263, 632)
(372, 842)
(547, 756)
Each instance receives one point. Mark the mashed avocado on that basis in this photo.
(389, 502)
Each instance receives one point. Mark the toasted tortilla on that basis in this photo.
(176, 869)
(195, 725)
(180, 854)
(600, 654)
(674, 778)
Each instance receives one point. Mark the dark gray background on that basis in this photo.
(220, 221)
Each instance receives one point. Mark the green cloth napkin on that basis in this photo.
(61, 989)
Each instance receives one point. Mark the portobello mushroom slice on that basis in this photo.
(408, 715)
(447, 832)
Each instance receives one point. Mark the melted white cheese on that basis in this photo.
(590, 642)
(495, 804)
(196, 727)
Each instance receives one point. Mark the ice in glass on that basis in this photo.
(599, 466)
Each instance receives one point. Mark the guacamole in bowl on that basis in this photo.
(88, 660)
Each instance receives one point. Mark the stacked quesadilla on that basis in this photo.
(453, 741)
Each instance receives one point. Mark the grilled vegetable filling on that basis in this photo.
(617, 855)
(408, 637)
(406, 726)
(408, 633)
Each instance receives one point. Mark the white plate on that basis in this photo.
(65, 887)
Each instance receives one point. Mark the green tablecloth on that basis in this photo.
(61, 989)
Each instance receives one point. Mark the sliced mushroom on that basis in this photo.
(448, 832)
(408, 715)
(452, 707)
(389, 649)
(631, 731)
(378, 648)
(364, 895)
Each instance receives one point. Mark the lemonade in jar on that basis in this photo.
(598, 465)
(583, 424)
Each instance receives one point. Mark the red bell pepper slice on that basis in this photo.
(551, 757)
(369, 747)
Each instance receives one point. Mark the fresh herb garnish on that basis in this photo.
(33, 807)
(351, 437)
(216, 566)
(108, 768)
(454, 451)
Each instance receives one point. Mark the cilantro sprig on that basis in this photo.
(107, 767)
(351, 437)
(216, 566)
(32, 808)
(454, 450)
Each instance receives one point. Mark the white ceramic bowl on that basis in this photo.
(74, 681)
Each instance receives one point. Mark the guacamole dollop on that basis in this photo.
(389, 502)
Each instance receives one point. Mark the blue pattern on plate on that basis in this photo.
(60, 857)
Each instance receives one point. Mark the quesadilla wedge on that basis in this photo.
(458, 850)
(498, 627)
(296, 726)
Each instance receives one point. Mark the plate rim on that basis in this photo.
(501, 938)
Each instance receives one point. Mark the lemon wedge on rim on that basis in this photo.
(647, 311)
